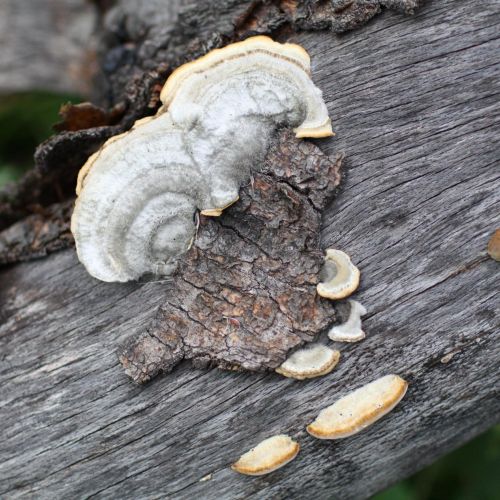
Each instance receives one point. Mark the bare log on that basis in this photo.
(415, 109)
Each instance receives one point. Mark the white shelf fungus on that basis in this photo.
(340, 277)
(350, 331)
(359, 409)
(137, 195)
(310, 362)
(267, 456)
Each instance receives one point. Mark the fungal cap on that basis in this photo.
(342, 276)
(359, 408)
(350, 331)
(267, 456)
(494, 246)
(291, 53)
(142, 121)
(310, 362)
(216, 56)
(83, 172)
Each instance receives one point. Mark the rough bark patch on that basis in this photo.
(37, 235)
(244, 296)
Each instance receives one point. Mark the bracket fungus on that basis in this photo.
(340, 277)
(267, 456)
(310, 362)
(359, 409)
(137, 196)
(349, 331)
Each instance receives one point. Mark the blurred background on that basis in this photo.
(37, 78)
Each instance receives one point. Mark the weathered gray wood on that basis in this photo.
(416, 108)
(47, 45)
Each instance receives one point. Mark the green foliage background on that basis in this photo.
(469, 473)
(25, 120)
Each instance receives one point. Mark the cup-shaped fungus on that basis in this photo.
(137, 195)
(359, 409)
(310, 362)
(267, 456)
(340, 277)
(350, 331)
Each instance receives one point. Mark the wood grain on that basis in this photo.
(415, 105)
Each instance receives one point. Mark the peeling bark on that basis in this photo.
(37, 235)
(245, 293)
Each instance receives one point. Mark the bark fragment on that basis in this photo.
(87, 115)
(244, 296)
(37, 235)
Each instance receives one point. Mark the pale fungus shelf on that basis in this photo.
(340, 277)
(267, 456)
(359, 409)
(349, 331)
(310, 362)
(138, 194)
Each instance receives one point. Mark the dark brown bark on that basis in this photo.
(38, 234)
(245, 293)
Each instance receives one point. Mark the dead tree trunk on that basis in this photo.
(416, 111)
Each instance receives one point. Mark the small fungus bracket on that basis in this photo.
(267, 456)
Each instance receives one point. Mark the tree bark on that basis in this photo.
(416, 111)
